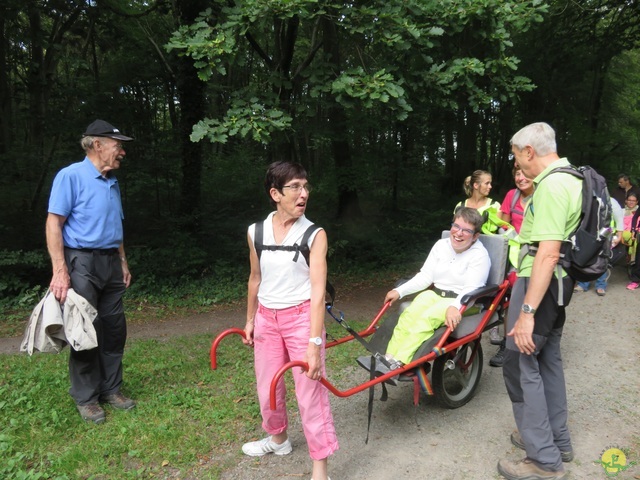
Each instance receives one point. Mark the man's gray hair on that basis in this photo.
(539, 135)
(87, 143)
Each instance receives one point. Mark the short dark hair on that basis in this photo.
(624, 176)
(470, 215)
(279, 173)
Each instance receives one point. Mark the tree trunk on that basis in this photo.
(452, 176)
(467, 148)
(595, 102)
(191, 93)
(348, 202)
(5, 92)
(42, 76)
(36, 82)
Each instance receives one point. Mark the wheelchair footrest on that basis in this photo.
(365, 362)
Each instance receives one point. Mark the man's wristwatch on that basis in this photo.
(526, 308)
(316, 340)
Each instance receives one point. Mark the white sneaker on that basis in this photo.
(264, 446)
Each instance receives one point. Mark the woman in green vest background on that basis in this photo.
(477, 186)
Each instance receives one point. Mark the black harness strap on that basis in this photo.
(383, 397)
(374, 353)
(257, 240)
(332, 295)
(304, 242)
(303, 248)
(372, 376)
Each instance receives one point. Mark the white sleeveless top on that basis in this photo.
(284, 283)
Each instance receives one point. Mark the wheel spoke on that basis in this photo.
(463, 380)
(458, 377)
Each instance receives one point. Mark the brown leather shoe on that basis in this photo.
(91, 413)
(119, 401)
(516, 439)
(526, 469)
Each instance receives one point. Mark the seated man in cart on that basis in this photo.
(455, 266)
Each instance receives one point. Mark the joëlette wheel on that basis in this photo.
(456, 375)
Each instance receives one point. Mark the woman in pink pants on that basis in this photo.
(285, 316)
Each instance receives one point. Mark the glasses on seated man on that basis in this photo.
(455, 227)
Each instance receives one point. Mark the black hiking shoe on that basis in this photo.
(498, 359)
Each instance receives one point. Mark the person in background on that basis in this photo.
(634, 274)
(511, 211)
(532, 369)
(624, 188)
(628, 239)
(85, 242)
(285, 318)
(618, 227)
(515, 201)
(630, 207)
(477, 187)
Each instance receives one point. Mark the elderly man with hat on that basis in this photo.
(85, 241)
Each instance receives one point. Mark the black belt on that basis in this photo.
(445, 293)
(96, 251)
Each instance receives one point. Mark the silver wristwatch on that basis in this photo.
(526, 308)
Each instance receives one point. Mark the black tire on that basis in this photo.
(455, 387)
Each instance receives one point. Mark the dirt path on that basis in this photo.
(601, 357)
(364, 300)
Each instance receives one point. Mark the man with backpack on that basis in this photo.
(532, 369)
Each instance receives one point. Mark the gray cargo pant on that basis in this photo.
(535, 383)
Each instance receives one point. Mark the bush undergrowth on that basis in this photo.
(183, 274)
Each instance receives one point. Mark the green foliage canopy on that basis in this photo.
(396, 56)
(388, 104)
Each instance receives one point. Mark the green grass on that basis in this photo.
(190, 420)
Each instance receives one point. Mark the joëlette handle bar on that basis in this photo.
(216, 342)
(231, 331)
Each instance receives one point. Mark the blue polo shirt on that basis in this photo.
(91, 205)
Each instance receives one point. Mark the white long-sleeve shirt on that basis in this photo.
(447, 270)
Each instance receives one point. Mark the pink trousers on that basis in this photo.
(281, 336)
